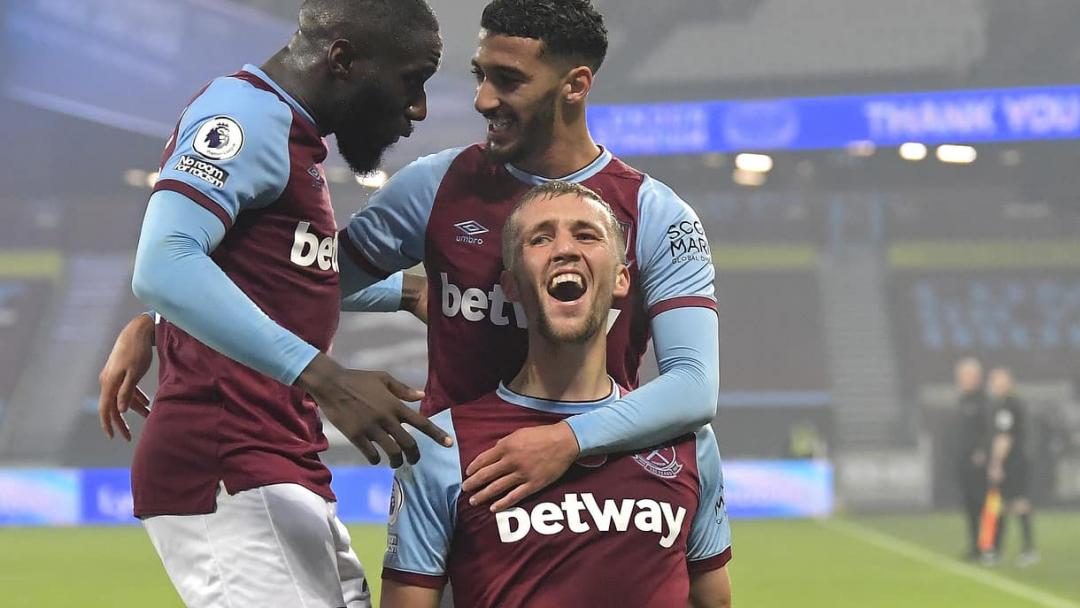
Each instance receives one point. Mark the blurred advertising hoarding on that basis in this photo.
(808, 123)
(66, 497)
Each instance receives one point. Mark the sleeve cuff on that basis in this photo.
(302, 360)
(709, 563)
(390, 300)
(199, 198)
(682, 302)
(414, 579)
(580, 429)
(346, 243)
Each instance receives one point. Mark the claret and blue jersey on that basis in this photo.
(621, 529)
(447, 211)
(240, 247)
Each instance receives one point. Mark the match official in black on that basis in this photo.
(972, 441)
(1009, 466)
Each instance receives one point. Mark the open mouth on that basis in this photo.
(567, 287)
(499, 125)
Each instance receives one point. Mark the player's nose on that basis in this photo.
(417, 110)
(486, 100)
(565, 248)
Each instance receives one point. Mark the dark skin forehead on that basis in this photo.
(420, 52)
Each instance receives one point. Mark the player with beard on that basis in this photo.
(534, 68)
(564, 546)
(238, 254)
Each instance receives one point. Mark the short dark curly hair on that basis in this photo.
(568, 29)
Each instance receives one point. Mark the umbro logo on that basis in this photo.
(472, 229)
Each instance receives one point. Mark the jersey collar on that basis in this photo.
(557, 407)
(578, 176)
(284, 95)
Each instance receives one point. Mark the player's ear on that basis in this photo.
(578, 84)
(622, 281)
(340, 57)
(509, 287)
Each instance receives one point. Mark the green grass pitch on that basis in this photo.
(866, 562)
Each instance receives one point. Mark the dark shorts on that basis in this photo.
(1016, 482)
(972, 482)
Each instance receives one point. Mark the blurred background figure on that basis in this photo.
(1009, 466)
(806, 441)
(971, 436)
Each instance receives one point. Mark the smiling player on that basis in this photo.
(534, 71)
(632, 529)
(534, 67)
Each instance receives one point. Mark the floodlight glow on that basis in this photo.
(754, 163)
(950, 153)
(912, 151)
(748, 178)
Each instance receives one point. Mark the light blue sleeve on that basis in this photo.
(672, 251)
(677, 278)
(710, 532)
(231, 149)
(388, 234)
(384, 296)
(679, 401)
(423, 508)
(175, 276)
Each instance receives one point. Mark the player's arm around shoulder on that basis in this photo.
(678, 286)
(421, 523)
(676, 283)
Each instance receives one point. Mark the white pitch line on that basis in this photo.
(979, 575)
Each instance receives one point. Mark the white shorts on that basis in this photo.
(278, 546)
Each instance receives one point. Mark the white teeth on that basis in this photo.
(499, 123)
(565, 278)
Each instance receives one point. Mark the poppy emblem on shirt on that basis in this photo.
(662, 462)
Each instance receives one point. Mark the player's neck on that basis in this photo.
(572, 149)
(286, 75)
(564, 372)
